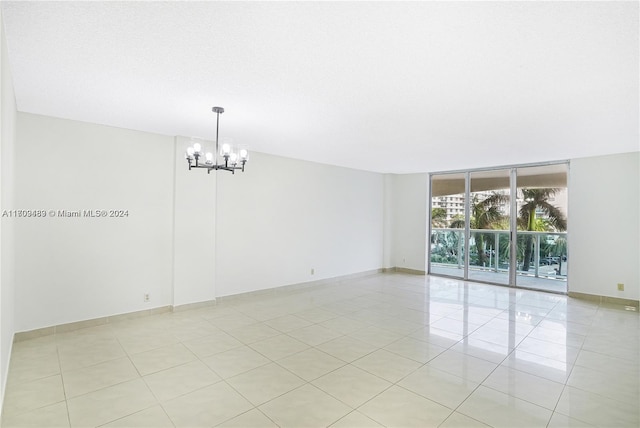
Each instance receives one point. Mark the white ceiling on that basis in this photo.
(382, 86)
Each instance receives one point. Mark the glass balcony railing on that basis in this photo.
(539, 254)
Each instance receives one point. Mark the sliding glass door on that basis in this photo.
(448, 221)
(541, 227)
(503, 226)
(490, 213)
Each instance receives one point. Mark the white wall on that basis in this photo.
(389, 221)
(283, 217)
(604, 236)
(72, 269)
(7, 268)
(275, 223)
(272, 224)
(410, 205)
(194, 231)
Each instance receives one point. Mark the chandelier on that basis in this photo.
(233, 159)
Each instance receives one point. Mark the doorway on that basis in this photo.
(505, 226)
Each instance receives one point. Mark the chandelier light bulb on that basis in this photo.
(226, 149)
(209, 157)
(244, 154)
(197, 147)
(233, 158)
(190, 151)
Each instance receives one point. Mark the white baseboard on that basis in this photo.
(64, 328)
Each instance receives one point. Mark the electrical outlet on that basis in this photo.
(147, 297)
(313, 271)
(620, 286)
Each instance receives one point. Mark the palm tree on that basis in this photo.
(560, 251)
(438, 217)
(485, 214)
(538, 199)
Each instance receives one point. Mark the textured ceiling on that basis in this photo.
(382, 86)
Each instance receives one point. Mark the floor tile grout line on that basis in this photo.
(244, 413)
(257, 406)
(466, 416)
(64, 389)
(40, 407)
(131, 414)
(344, 416)
(520, 398)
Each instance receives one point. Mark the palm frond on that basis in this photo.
(555, 217)
(457, 224)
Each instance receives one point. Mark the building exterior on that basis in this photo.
(454, 204)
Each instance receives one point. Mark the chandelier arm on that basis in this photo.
(217, 167)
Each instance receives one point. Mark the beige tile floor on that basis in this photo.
(386, 350)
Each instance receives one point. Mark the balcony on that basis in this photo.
(489, 257)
